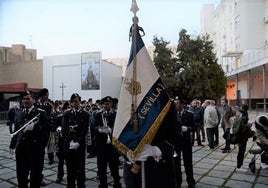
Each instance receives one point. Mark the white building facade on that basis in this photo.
(82, 73)
(239, 30)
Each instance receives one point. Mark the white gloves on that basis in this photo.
(148, 151)
(58, 130)
(184, 129)
(106, 130)
(74, 145)
(29, 127)
(11, 151)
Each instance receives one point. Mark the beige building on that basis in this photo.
(19, 65)
(239, 30)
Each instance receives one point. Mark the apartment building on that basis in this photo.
(239, 30)
(19, 65)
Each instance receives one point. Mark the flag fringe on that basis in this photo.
(147, 139)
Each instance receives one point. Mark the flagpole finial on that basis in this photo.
(134, 7)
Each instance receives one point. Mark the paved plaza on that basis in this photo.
(212, 168)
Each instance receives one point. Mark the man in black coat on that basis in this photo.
(103, 122)
(30, 142)
(75, 124)
(185, 121)
(157, 157)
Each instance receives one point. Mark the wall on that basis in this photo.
(111, 79)
(66, 69)
(18, 64)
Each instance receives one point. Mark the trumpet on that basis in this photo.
(34, 120)
(105, 129)
(71, 128)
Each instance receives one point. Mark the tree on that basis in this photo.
(195, 72)
(165, 64)
(200, 75)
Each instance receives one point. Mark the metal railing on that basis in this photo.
(3, 116)
(253, 56)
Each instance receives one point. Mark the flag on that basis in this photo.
(141, 84)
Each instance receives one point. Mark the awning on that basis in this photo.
(17, 88)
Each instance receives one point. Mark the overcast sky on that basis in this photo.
(56, 27)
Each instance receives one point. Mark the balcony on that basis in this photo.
(250, 60)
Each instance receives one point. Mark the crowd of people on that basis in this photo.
(78, 129)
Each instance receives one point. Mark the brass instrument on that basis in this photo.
(71, 128)
(34, 120)
(105, 128)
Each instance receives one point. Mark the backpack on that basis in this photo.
(235, 129)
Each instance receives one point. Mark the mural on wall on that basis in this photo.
(90, 76)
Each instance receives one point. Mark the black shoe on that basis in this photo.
(225, 148)
(191, 186)
(58, 180)
(117, 185)
(225, 151)
(254, 138)
(91, 155)
(43, 183)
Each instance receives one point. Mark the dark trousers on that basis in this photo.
(108, 155)
(210, 137)
(216, 135)
(131, 180)
(186, 149)
(60, 155)
(156, 174)
(241, 152)
(75, 162)
(196, 133)
(227, 140)
(29, 162)
(203, 133)
(50, 157)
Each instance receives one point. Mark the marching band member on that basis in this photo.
(30, 142)
(103, 122)
(75, 124)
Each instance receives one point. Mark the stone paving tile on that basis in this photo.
(262, 180)
(215, 181)
(246, 177)
(201, 185)
(258, 185)
(200, 171)
(238, 184)
(217, 173)
(205, 165)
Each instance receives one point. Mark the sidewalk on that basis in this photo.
(211, 167)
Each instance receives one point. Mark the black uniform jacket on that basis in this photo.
(35, 139)
(75, 126)
(101, 138)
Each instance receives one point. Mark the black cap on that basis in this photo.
(180, 98)
(106, 99)
(43, 92)
(27, 93)
(74, 96)
(115, 100)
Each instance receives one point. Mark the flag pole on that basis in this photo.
(134, 118)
